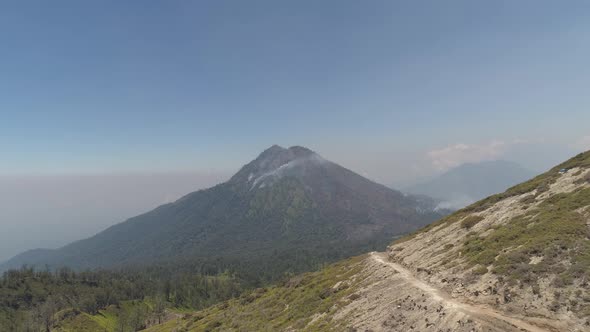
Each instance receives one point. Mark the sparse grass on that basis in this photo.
(553, 230)
(80, 323)
(292, 304)
(105, 320)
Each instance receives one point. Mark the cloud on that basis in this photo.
(457, 154)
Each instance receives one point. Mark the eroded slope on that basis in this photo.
(525, 252)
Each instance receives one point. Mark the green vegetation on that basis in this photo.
(294, 239)
(305, 296)
(213, 244)
(125, 316)
(554, 230)
(120, 301)
(278, 233)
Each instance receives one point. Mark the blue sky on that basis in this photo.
(396, 90)
(178, 85)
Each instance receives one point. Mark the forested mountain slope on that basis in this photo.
(288, 210)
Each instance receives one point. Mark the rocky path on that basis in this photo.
(478, 312)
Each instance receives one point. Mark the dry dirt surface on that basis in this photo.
(475, 311)
(392, 298)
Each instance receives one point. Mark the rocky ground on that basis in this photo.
(394, 299)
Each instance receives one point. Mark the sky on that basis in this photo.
(173, 96)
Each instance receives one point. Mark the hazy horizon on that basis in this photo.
(64, 208)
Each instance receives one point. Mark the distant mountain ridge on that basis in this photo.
(289, 203)
(471, 182)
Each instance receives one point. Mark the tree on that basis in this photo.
(167, 289)
(46, 313)
(159, 308)
(137, 318)
(30, 323)
(122, 322)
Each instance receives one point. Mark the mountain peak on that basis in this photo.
(277, 151)
(276, 162)
(290, 199)
(301, 150)
(275, 148)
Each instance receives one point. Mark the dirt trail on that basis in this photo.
(452, 304)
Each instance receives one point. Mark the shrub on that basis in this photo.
(544, 186)
(555, 305)
(536, 289)
(562, 280)
(583, 179)
(354, 296)
(529, 199)
(213, 325)
(470, 221)
(480, 270)
(325, 293)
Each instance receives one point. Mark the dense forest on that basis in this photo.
(33, 300)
